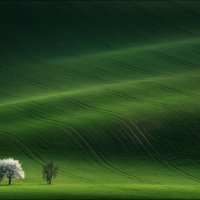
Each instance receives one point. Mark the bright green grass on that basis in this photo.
(108, 191)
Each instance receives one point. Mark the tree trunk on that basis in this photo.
(9, 181)
(49, 181)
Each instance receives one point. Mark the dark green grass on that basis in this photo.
(109, 91)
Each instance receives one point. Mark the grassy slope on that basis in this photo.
(110, 91)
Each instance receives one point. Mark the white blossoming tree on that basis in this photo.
(2, 174)
(11, 169)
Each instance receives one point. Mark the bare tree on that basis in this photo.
(11, 169)
(49, 171)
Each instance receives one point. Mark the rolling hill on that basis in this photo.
(108, 90)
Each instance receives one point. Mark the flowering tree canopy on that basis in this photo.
(11, 169)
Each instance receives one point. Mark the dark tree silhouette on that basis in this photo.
(49, 171)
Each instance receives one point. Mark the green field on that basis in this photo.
(109, 91)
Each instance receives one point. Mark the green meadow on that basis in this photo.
(109, 91)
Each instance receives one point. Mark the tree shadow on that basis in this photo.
(3, 185)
